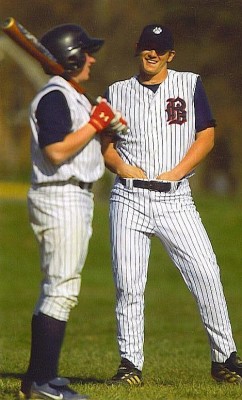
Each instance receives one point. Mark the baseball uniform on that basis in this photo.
(163, 120)
(60, 210)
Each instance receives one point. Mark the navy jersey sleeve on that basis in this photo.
(54, 119)
(106, 95)
(203, 115)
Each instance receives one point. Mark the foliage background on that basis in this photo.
(208, 40)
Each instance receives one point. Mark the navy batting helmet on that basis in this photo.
(68, 43)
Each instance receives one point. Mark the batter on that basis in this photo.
(171, 130)
(66, 161)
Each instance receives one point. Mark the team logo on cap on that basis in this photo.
(157, 30)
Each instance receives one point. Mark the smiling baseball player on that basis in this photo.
(171, 130)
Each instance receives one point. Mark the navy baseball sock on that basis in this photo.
(47, 337)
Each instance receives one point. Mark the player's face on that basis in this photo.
(84, 74)
(152, 63)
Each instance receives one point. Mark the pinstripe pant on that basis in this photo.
(61, 218)
(135, 216)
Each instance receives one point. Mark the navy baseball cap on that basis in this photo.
(155, 37)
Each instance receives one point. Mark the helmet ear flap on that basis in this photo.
(76, 59)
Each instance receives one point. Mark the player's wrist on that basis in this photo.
(177, 174)
(95, 125)
(101, 116)
(121, 169)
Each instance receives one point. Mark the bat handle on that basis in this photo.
(89, 97)
(92, 99)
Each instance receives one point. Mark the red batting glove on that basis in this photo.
(101, 115)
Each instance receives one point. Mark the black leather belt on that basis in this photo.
(150, 185)
(83, 185)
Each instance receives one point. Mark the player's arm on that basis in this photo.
(73, 142)
(198, 151)
(204, 124)
(112, 159)
(114, 162)
(56, 138)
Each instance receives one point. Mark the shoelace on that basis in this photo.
(229, 376)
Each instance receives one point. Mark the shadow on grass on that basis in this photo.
(73, 379)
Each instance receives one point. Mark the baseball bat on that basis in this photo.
(32, 46)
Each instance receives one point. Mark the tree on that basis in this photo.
(207, 37)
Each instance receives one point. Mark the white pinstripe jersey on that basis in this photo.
(161, 125)
(87, 165)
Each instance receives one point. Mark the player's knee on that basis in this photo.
(67, 303)
(57, 307)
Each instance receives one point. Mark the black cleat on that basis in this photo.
(127, 374)
(230, 371)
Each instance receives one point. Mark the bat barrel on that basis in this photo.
(34, 47)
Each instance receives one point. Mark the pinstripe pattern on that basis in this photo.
(61, 215)
(63, 234)
(138, 214)
(152, 144)
(87, 165)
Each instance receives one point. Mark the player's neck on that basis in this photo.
(147, 79)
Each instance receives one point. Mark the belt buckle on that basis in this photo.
(152, 185)
(159, 186)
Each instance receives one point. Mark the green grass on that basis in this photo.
(177, 361)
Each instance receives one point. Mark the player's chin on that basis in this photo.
(84, 77)
(150, 71)
(150, 68)
(87, 77)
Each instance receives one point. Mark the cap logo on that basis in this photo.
(157, 30)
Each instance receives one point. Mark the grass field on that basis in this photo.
(177, 361)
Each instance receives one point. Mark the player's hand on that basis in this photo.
(118, 124)
(101, 115)
(130, 171)
(168, 176)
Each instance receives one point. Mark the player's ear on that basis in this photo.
(136, 50)
(172, 54)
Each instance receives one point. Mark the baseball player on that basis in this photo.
(170, 131)
(66, 161)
